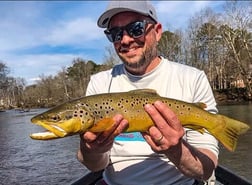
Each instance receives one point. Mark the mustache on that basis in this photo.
(136, 44)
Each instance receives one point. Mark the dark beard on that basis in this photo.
(139, 67)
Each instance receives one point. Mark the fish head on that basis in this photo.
(62, 121)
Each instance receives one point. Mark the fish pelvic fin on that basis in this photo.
(229, 133)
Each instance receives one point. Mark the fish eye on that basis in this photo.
(55, 117)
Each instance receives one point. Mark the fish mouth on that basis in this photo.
(53, 131)
(57, 129)
(43, 135)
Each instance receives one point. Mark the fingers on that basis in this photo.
(167, 130)
(120, 124)
(162, 115)
(102, 142)
(159, 140)
(168, 115)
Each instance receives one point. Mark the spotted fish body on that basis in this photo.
(94, 113)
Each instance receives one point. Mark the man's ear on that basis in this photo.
(159, 30)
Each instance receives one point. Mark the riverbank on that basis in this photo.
(223, 97)
(231, 97)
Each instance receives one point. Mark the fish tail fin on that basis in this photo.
(228, 132)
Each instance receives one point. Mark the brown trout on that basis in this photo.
(94, 113)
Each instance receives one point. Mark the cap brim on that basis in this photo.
(104, 19)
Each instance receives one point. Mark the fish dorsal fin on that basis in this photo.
(148, 91)
(201, 105)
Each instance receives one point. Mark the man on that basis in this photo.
(167, 153)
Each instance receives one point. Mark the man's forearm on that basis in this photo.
(192, 162)
(93, 161)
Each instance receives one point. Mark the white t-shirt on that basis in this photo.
(132, 160)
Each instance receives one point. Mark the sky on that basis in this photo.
(39, 38)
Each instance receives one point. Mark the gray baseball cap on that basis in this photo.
(115, 7)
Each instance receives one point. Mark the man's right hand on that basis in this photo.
(103, 141)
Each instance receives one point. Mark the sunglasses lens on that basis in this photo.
(135, 30)
(117, 34)
(114, 34)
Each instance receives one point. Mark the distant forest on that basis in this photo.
(219, 44)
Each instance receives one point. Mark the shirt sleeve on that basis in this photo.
(99, 83)
(203, 93)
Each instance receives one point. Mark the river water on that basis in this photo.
(239, 161)
(24, 161)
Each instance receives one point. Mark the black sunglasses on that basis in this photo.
(134, 29)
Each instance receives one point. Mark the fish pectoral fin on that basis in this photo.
(102, 125)
(43, 135)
